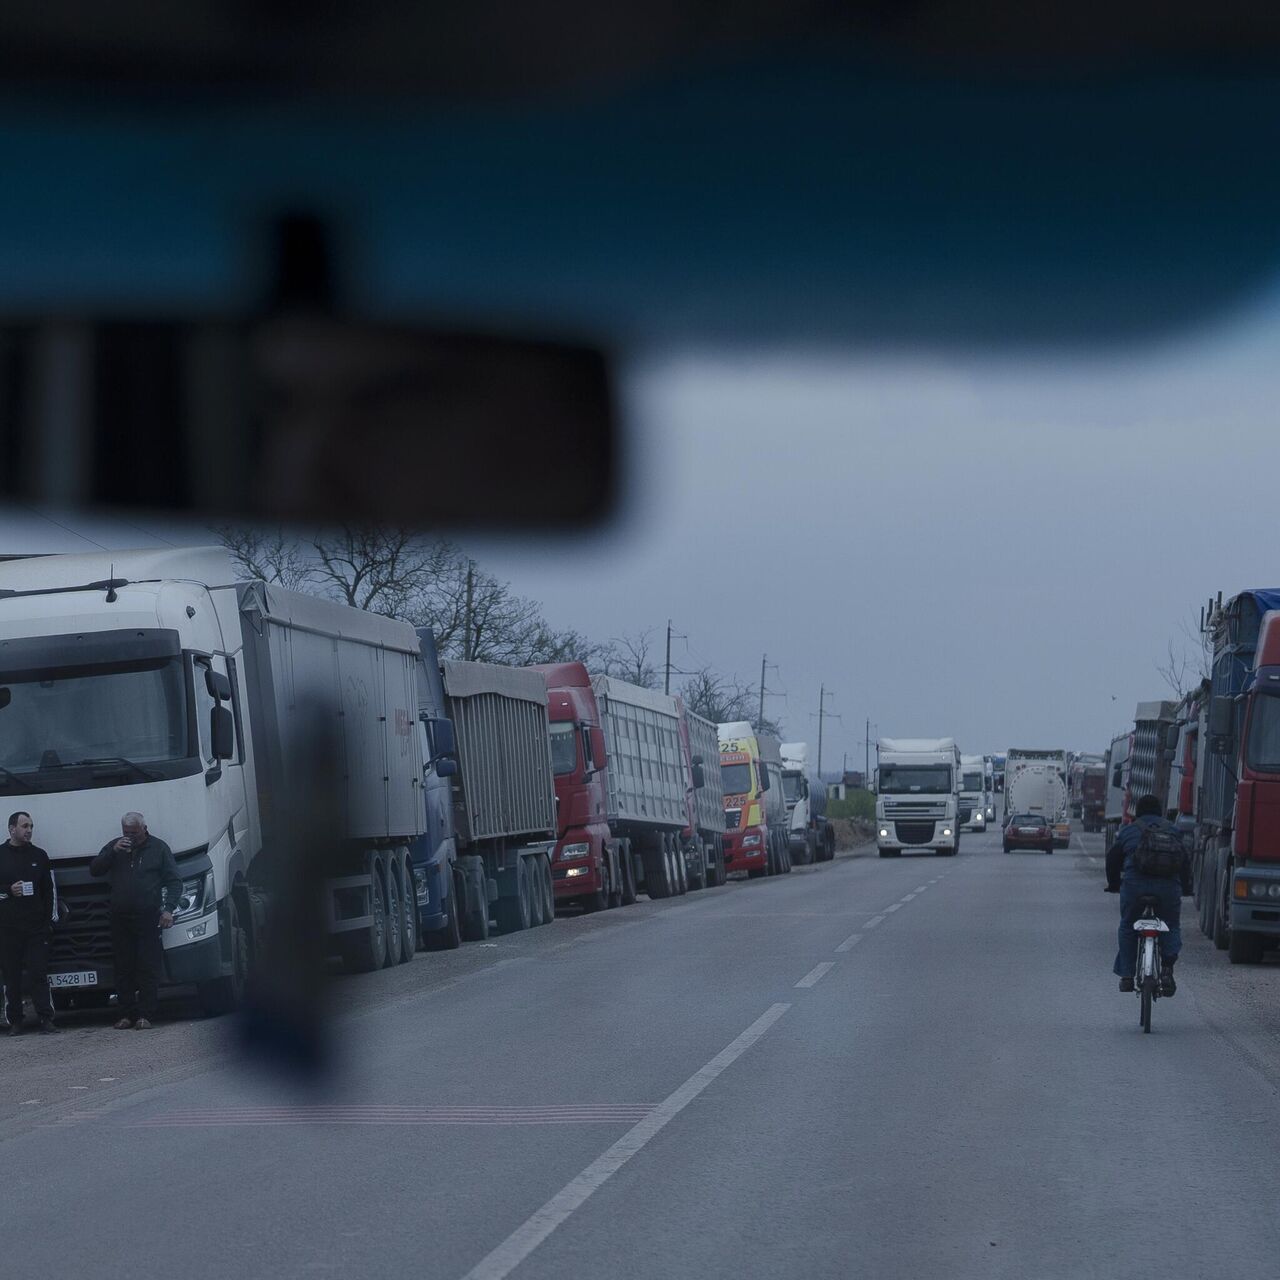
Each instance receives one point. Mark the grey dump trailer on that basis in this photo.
(331, 704)
(504, 804)
(704, 838)
(648, 781)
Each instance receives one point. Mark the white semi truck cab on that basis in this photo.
(973, 793)
(917, 795)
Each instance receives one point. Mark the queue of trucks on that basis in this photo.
(1213, 759)
(290, 748)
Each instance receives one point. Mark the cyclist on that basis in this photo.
(1125, 876)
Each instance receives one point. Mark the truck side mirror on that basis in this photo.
(222, 733)
(1171, 734)
(699, 776)
(446, 767)
(218, 685)
(763, 774)
(1221, 722)
(599, 752)
(440, 735)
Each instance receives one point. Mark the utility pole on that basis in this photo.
(666, 679)
(822, 711)
(866, 756)
(764, 658)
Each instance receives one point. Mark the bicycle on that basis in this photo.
(1146, 983)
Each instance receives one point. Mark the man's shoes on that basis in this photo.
(47, 1026)
(1167, 984)
(16, 1028)
(124, 1024)
(142, 1025)
(1126, 984)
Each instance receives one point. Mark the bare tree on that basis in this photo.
(722, 698)
(1188, 661)
(271, 555)
(629, 657)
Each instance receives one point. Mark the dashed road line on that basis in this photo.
(816, 974)
(503, 1260)
(875, 920)
(894, 906)
(906, 897)
(850, 942)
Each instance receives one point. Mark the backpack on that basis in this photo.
(1159, 853)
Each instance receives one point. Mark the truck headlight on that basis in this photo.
(750, 841)
(1273, 891)
(196, 897)
(572, 852)
(884, 833)
(946, 831)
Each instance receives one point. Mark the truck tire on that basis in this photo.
(225, 995)
(535, 893)
(513, 912)
(1244, 948)
(616, 877)
(698, 878)
(395, 915)
(408, 909)
(473, 903)
(681, 866)
(449, 936)
(1221, 921)
(548, 891)
(365, 950)
(656, 870)
(627, 862)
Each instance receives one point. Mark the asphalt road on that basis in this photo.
(873, 1067)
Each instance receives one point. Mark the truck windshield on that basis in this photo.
(564, 748)
(1262, 751)
(50, 722)
(792, 786)
(972, 782)
(736, 778)
(928, 779)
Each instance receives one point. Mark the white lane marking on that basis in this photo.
(906, 897)
(106, 1079)
(850, 942)
(920, 888)
(77, 1086)
(531, 1233)
(816, 974)
(32, 1102)
(896, 906)
(875, 920)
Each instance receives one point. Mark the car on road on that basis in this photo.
(1028, 831)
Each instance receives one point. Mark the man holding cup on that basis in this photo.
(26, 923)
(145, 887)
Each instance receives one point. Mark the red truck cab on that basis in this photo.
(584, 867)
(1255, 841)
(746, 838)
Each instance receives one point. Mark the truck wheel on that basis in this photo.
(535, 893)
(513, 911)
(1221, 921)
(408, 910)
(225, 995)
(548, 891)
(395, 915)
(449, 936)
(366, 949)
(681, 865)
(627, 863)
(698, 878)
(617, 878)
(1244, 948)
(656, 871)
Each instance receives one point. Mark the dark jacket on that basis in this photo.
(145, 879)
(1126, 843)
(25, 862)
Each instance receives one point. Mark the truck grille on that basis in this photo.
(914, 832)
(85, 938)
(965, 813)
(915, 809)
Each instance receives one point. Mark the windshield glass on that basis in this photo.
(137, 711)
(972, 782)
(564, 748)
(737, 779)
(1262, 752)
(792, 786)
(1028, 820)
(928, 779)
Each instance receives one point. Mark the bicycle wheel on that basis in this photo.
(1148, 997)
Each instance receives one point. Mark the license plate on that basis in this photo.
(85, 979)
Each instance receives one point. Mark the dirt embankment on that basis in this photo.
(851, 832)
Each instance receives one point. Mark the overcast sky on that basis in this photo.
(996, 551)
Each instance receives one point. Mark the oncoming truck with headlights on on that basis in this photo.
(917, 795)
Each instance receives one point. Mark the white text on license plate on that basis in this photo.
(85, 979)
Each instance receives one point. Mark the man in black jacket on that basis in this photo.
(145, 887)
(26, 923)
